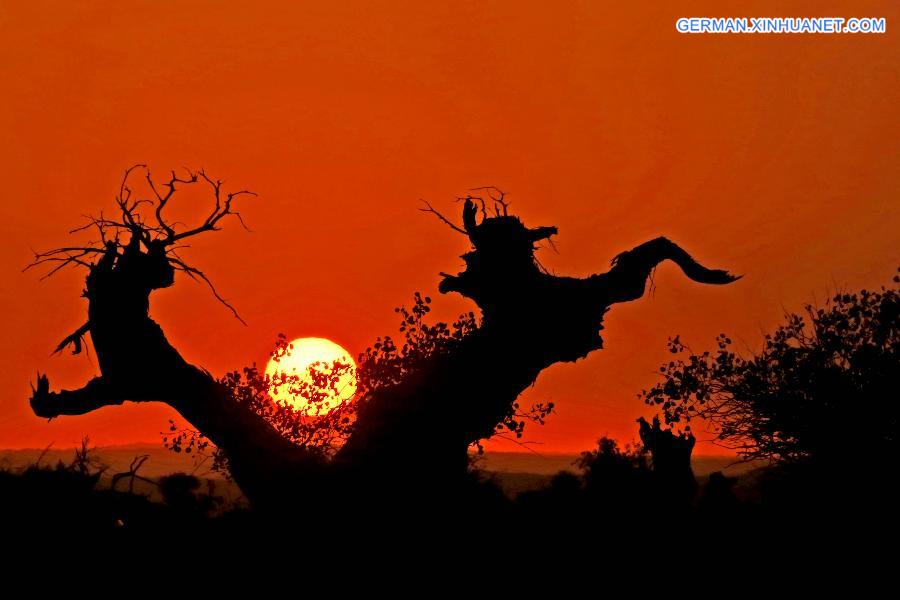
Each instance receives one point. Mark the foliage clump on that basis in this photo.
(386, 364)
(318, 425)
(823, 386)
(321, 429)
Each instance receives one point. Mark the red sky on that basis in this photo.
(774, 156)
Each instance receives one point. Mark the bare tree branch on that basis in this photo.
(497, 196)
(195, 273)
(429, 209)
(159, 232)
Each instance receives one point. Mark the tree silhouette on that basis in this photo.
(617, 480)
(530, 320)
(822, 387)
(136, 253)
(422, 405)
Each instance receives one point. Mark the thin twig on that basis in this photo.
(430, 209)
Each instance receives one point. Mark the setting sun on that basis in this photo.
(302, 358)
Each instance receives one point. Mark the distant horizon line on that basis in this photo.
(159, 446)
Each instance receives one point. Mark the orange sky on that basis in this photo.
(774, 156)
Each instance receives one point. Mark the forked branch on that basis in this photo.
(474, 204)
(429, 209)
(196, 274)
(157, 232)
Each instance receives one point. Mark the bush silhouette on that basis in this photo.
(77, 499)
(817, 402)
(822, 386)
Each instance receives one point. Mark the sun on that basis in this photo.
(303, 356)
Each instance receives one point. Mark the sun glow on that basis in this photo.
(303, 358)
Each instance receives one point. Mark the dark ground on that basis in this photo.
(515, 472)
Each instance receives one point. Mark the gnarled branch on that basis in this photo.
(163, 233)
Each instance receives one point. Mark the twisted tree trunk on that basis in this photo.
(531, 320)
(137, 363)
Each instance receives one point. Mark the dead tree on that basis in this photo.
(530, 320)
(422, 424)
(670, 454)
(132, 258)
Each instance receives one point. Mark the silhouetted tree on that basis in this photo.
(821, 390)
(617, 480)
(530, 320)
(136, 253)
(422, 405)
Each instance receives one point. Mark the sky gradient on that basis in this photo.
(771, 156)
